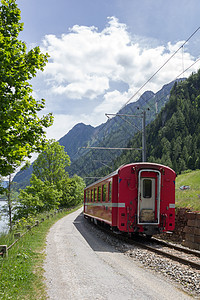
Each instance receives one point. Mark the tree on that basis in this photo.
(9, 195)
(39, 197)
(9, 201)
(79, 190)
(50, 184)
(48, 176)
(51, 163)
(72, 191)
(22, 132)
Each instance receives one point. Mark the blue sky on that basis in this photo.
(103, 51)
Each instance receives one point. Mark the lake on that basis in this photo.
(3, 220)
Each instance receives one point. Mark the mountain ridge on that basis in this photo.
(173, 138)
(113, 133)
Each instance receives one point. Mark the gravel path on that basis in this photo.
(80, 264)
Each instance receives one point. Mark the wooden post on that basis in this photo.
(3, 250)
(17, 235)
(28, 227)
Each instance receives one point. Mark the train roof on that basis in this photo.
(137, 165)
(148, 165)
(104, 178)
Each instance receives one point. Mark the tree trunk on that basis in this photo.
(9, 202)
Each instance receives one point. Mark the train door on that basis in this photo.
(149, 196)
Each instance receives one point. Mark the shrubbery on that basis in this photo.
(50, 186)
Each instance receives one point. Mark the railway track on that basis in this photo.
(177, 253)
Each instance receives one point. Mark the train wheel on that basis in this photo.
(148, 236)
(134, 235)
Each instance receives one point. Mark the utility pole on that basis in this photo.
(156, 106)
(143, 116)
(143, 149)
(144, 154)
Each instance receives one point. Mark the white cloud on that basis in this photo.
(90, 87)
(62, 124)
(112, 102)
(89, 64)
(84, 60)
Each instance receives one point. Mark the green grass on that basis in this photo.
(21, 273)
(188, 198)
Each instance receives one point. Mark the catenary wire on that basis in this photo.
(138, 91)
(160, 68)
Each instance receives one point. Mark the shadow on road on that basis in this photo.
(93, 236)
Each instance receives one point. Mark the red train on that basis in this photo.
(136, 198)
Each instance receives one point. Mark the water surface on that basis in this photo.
(3, 220)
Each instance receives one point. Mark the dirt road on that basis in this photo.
(81, 265)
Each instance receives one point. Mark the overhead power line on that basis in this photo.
(181, 47)
(188, 68)
(160, 68)
(108, 148)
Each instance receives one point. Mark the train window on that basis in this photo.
(95, 194)
(99, 193)
(92, 196)
(110, 191)
(147, 188)
(104, 193)
(86, 196)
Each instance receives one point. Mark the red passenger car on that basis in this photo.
(136, 198)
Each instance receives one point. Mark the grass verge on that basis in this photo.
(21, 273)
(188, 198)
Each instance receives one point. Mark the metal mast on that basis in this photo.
(144, 155)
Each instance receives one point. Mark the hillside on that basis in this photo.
(116, 132)
(174, 137)
(76, 138)
(189, 198)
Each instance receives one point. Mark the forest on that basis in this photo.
(173, 138)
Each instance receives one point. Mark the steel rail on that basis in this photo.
(176, 247)
(184, 261)
(179, 259)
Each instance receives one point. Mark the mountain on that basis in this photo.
(115, 133)
(173, 138)
(76, 138)
(4, 184)
(22, 178)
